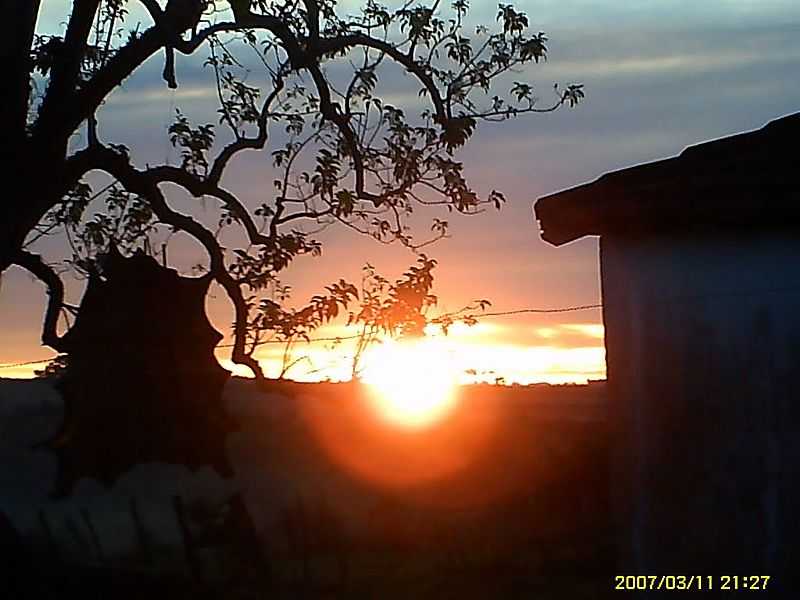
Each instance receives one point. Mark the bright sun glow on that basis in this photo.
(412, 383)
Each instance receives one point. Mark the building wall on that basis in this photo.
(703, 352)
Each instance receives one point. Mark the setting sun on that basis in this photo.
(411, 383)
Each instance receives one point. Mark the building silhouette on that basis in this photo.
(700, 269)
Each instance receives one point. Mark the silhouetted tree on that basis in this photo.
(370, 163)
(401, 309)
(158, 395)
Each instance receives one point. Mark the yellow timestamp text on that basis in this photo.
(691, 582)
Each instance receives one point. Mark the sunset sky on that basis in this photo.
(659, 76)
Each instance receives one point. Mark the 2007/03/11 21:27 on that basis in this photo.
(691, 582)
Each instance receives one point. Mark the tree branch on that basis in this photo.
(55, 290)
(312, 20)
(145, 184)
(244, 18)
(343, 42)
(64, 118)
(331, 112)
(67, 62)
(99, 156)
(255, 143)
(199, 188)
(153, 8)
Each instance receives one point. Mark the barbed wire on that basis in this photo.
(339, 338)
(455, 317)
(537, 311)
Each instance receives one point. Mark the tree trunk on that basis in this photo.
(35, 177)
(16, 34)
(16, 215)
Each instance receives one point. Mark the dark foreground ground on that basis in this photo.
(506, 499)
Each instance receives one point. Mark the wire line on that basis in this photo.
(459, 316)
(354, 337)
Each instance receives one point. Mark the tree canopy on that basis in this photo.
(345, 153)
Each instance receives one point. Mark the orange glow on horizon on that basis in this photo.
(485, 353)
(490, 352)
